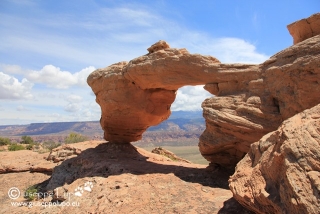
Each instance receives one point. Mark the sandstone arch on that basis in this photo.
(137, 94)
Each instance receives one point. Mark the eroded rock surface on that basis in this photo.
(127, 110)
(68, 151)
(168, 154)
(117, 178)
(305, 28)
(138, 94)
(281, 172)
(288, 83)
(250, 101)
(25, 161)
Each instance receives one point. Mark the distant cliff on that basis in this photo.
(181, 125)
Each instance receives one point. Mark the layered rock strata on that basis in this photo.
(250, 101)
(281, 172)
(138, 94)
(288, 83)
(305, 28)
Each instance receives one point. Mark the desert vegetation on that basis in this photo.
(74, 137)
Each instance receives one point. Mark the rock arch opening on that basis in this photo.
(241, 112)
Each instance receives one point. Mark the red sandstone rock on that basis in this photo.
(118, 178)
(158, 46)
(24, 161)
(68, 151)
(305, 28)
(281, 172)
(127, 110)
(288, 84)
(251, 100)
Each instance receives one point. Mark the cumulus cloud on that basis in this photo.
(116, 43)
(226, 49)
(11, 69)
(72, 107)
(55, 78)
(73, 98)
(82, 75)
(232, 50)
(189, 98)
(12, 88)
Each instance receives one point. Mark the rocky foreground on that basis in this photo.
(263, 118)
(101, 177)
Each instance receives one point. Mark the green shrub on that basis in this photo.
(26, 140)
(75, 138)
(31, 193)
(50, 145)
(15, 147)
(4, 141)
(29, 146)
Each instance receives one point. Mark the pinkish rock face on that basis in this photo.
(305, 28)
(281, 172)
(250, 101)
(138, 94)
(127, 110)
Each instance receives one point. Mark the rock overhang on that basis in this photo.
(248, 104)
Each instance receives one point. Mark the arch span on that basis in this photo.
(138, 94)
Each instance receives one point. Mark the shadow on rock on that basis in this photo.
(109, 159)
(233, 206)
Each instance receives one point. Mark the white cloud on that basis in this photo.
(12, 88)
(11, 69)
(74, 98)
(102, 37)
(227, 50)
(55, 78)
(72, 107)
(235, 50)
(82, 75)
(22, 108)
(189, 98)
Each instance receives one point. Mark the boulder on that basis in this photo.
(305, 28)
(281, 172)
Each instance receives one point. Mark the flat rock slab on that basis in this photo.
(120, 178)
(23, 161)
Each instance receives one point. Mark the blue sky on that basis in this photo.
(48, 48)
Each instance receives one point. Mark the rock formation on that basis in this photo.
(127, 110)
(250, 101)
(287, 84)
(281, 172)
(305, 28)
(104, 177)
(138, 94)
(25, 161)
(168, 154)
